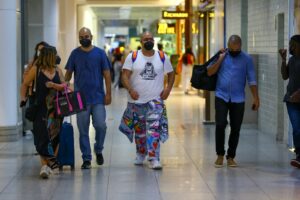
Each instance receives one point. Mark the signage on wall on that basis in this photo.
(165, 28)
(194, 29)
(170, 28)
(174, 14)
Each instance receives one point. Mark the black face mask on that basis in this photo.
(57, 60)
(149, 45)
(234, 53)
(85, 42)
(292, 51)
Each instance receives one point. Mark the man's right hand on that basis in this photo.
(222, 55)
(134, 95)
(295, 97)
(223, 50)
(283, 53)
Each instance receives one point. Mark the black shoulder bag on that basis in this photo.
(200, 79)
(32, 110)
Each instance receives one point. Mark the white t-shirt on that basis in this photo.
(147, 77)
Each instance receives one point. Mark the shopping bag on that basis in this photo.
(31, 112)
(69, 102)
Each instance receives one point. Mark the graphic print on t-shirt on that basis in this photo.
(148, 73)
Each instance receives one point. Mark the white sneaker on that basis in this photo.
(155, 164)
(44, 173)
(49, 170)
(139, 160)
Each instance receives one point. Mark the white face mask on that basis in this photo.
(38, 52)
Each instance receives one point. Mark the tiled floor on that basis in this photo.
(263, 173)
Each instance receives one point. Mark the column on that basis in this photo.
(67, 35)
(218, 36)
(178, 34)
(50, 15)
(87, 18)
(10, 122)
(188, 23)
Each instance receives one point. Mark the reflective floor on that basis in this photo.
(187, 157)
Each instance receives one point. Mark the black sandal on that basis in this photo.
(53, 163)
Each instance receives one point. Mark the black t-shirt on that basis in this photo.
(294, 77)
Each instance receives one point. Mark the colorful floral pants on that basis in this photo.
(148, 124)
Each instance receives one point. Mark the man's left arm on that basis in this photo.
(166, 92)
(254, 91)
(107, 78)
(252, 84)
(171, 78)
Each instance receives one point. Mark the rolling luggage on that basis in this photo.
(66, 146)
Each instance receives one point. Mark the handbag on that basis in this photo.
(200, 79)
(31, 112)
(69, 102)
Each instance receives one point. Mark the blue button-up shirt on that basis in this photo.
(232, 76)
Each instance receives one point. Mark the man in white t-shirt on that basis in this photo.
(145, 115)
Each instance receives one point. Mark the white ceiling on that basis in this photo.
(127, 16)
(131, 12)
(137, 3)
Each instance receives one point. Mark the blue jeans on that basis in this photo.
(294, 115)
(98, 114)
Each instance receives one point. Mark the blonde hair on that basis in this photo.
(47, 58)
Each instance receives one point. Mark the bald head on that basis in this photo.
(85, 33)
(234, 43)
(234, 39)
(146, 34)
(85, 37)
(147, 41)
(85, 30)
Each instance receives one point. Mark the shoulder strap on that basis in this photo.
(134, 56)
(160, 53)
(36, 77)
(212, 59)
(162, 56)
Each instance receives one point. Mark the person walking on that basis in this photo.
(90, 65)
(188, 59)
(46, 125)
(291, 71)
(145, 115)
(37, 51)
(234, 67)
(117, 65)
(27, 125)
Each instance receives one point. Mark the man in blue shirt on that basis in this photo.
(234, 67)
(90, 65)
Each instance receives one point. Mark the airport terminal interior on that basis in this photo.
(265, 148)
